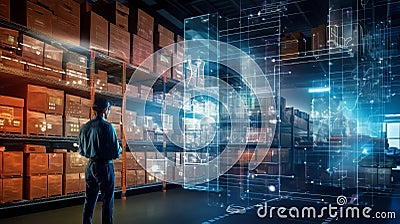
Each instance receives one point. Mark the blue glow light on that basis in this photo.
(319, 90)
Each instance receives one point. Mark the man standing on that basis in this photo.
(99, 143)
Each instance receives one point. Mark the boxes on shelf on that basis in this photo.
(163, 62)
(66, 31)
(55, 99)
(74, 77)
(5, 9)
(145, 25)
(131, 160)
(35, 187)
(69, 10)
(11, 114)
(177, 72)
(146, 93)
(119, 45)
(142, 49)
(35, 164)
(138, 133)
(74, 163)
(115, 115)
(132, 91)
(35, 123)
(71, 126)
(165, 36)
(8, 37)
(55, 163)
(70, 183)
(54, 125)
(100, 80)
(117, 164)
(114, 12)
(140, 177)
(54, 185)
(52, 57)
(12, 164)
(94, 33)
(114, 88)
(318, 37)
(75, 61)
(117, 128)
(32, 50)
(72, 105)
(86, 107)
(12, 189)
(31, 15)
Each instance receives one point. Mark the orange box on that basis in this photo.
(70, 183)
(131, 178)
(54, 125)
(31, 15)
(28, 148)
(86, 107)
(145, 25)
(72, 105)
(95, 35)
(35, 164)
(37, 98)
(54, 185)
(142, 49)
(1, 190)
(32, 50)
(11, 114)
(56, 163)
(5, 9)
(119, 45)
(55, 99)
(140, 177)
(82, 182)
(122, 20)
(66, 31)
(117, 165)
(114, 88)
(52, 57)
(115, 115)
(12, 189)
(163, 63)
(131, 163)
(71, 127)
(69, 10)
(74, 163)
(36, 123)
(118, 178)
(8, 37)
(12, 164)
(35, 187)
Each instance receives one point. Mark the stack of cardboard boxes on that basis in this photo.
(11, 114)
(77, 113)
(11, 181)
(35, 172)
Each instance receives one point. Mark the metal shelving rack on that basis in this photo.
(96, 61)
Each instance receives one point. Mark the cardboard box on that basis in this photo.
(119, 45)
(117, 128)
(100, 80)
(163, 63)
(71, 127)
(66, 31)
(70, 183)
(318, 38)
(114, 88)
(5, 9)
(117, 165)
(145, 25)
(118, 178)
(138, 134)
(35, 123)
(292, 45)
(28, 148)
(141, 177)
(54, 125)
(72, 105)
(82, 182)
(74, 77)
(142, 49)
(1, 190)
(54, 185)
(86, 107)
(35, 164)
(76, 61)
(8, 37)
(32, 50)
(121, 20)
(146, 93)
(94, 33)
(31, 15)
(131, 163)
(52, 57)
(11, 114)
(68, 10)
(12, 189)
(165, 36)
(55, 99)
(74, 163)
(115, 115)
(12, 164)
(132, 91)
(35, 187)
(37, 99)
(55, 163)
(131, 178)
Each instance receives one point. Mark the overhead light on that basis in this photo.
(319, 90)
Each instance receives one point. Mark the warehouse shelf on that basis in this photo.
(36, 138)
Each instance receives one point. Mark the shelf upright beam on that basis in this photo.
(92, 72)
(164, 110)
(123, 110)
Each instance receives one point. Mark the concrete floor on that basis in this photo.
(183, 206)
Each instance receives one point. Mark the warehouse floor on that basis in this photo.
(183, 206)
